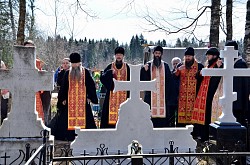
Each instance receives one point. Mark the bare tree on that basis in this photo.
(21, 22)
(32, 20)
(215, 23)
(229, 14)
(13, 28)
(247, 35)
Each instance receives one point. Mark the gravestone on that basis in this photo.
(23, 125)
(133, 124)
(226, 132)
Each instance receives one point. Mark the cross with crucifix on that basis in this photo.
(23, 81)
(228, 72)
(134, 85)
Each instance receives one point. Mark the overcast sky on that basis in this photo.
(121, 20)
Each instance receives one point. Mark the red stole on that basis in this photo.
(39, 105)
(118, 97)
(77, 103)
(187, 93)
(158, 98)
(198, 115)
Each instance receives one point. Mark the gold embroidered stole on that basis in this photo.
(199, 112)
(187, 93)
(77, 103)
(118, 97)
(216, 107)
(39, 106)
(158, 98)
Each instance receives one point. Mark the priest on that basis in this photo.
(159, 99)
(120, 71)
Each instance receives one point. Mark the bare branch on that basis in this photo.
(159, 26)
(78, 4)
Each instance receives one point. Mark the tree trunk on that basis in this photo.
(32, 20)
(21, 22)
(229, 12)
(12, 21)
(215, 23)
(246, 54)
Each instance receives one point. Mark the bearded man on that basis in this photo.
(202, 112)
(160, 99)
(118, 70)
(189, 86)
(76, 93)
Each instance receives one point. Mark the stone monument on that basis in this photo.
(133, 124)
(226, 132)
(22, 125)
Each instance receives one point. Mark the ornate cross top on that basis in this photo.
(135, 85)
(23, 81)
(228, 72)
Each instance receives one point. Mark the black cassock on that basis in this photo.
(60, 77)
(61, 129)
(146, 76)
(241, 86)
(203, 130)
(107, 80)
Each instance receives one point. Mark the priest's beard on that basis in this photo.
(157, 61)
(188, 64)
(118, 64)
(212, 61)
(75, 73)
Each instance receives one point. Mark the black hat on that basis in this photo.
(75, 57)
(158, 48)
(232, 43)
(119, 50)
(213, 51)
(189, 51)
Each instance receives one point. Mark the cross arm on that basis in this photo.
(212, 72)
(6, 79)
(122, 85)
(45, 81)
(241, 72)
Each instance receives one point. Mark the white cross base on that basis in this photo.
(227, 73)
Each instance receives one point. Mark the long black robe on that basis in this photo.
(107, 80)
(146, 76)
(203, 130)
(241, 86)
(60, 77)
(62, 132)
(46, 102)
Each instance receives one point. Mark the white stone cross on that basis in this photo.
(134, 85)
(134, 123)
(228, 72)
(23, 81)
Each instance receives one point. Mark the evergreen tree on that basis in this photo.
(178, 43)
(201, 44)
(194, 43)
(132, 48)
(185, 43)
(164, 43)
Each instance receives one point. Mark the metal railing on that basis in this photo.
(169, 156)
(42, 150)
